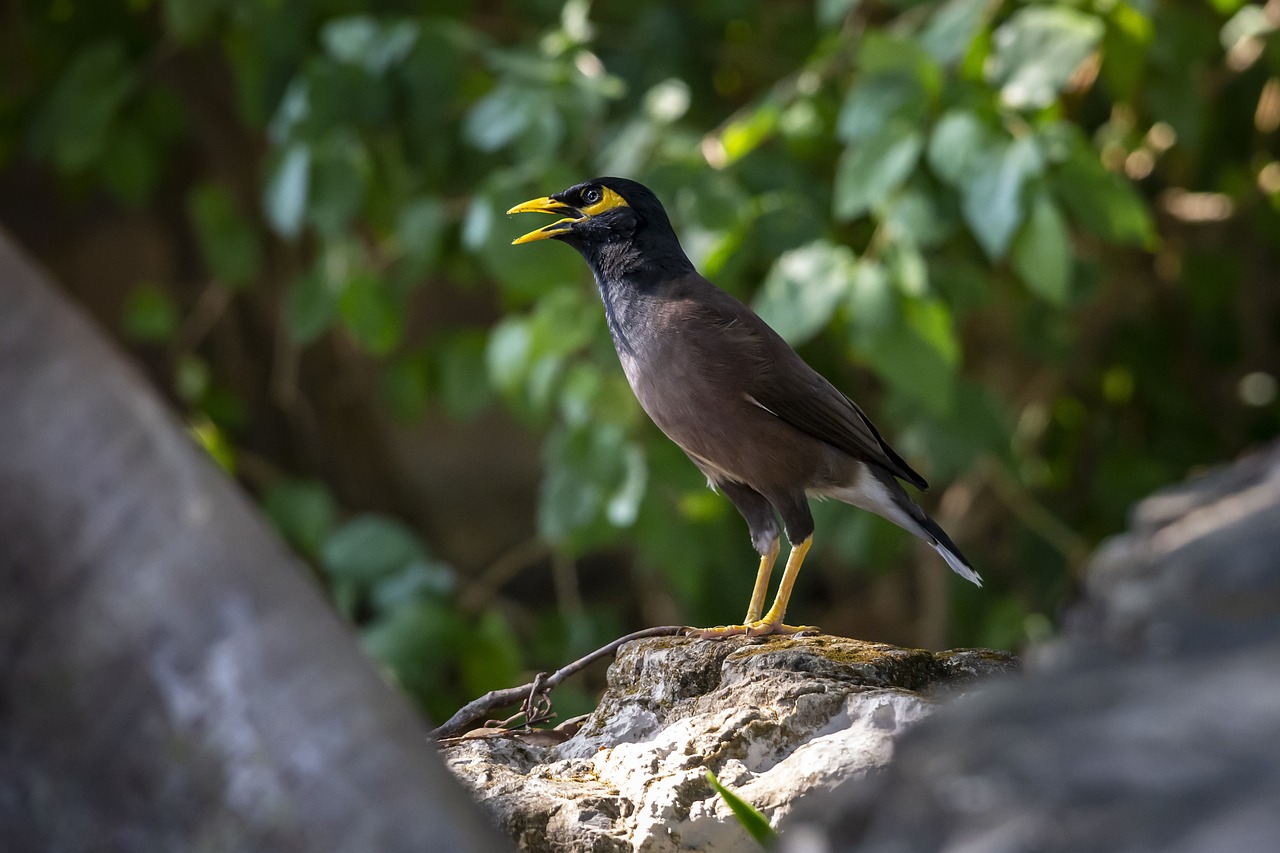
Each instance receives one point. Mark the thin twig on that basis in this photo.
(1035, 515)
(528, 694)
(209, 308)
(476, 596)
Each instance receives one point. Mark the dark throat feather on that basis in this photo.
(631, 272)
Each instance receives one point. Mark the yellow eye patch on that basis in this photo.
(608, 201)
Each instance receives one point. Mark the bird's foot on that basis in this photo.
(758, 628)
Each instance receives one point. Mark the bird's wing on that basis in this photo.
(812, 405)
(778, 380)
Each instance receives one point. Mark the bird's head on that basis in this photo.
(606, 219)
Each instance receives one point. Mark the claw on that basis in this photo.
(772, 622)
(758, 628)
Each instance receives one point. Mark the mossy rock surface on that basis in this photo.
(776, 719)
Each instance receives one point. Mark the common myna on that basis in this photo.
(765, 428)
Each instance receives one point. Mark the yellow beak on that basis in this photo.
(546, 204)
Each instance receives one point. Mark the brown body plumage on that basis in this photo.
(766, 429)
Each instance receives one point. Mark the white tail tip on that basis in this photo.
(958, 565)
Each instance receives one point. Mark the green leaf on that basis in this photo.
(579, 394)
(921, 214)
(406, 384)
(421, 642)
(130, 164)
(464, 386)
(191, 379)
(341, 98)
(992, 203)
(802, 290)
(228, 240)
(73, 125)
(751, 818)
(292, 111)
(624, 504)
(745, 133)
(881, 52)
(503, 115)
(285, 196)
(340, 173)
(310, 307)
(872, 304)
(303, 511)
(953, 28)
(369, 547)
(478, 224)
(507, 354)
(419, 580)
(978, 425)
(215, 443)
(491, 657)
(1102, 201)
(564, 321)
(570, 498)
(372, 314)
(917, 357)
(586, 469)
(961, 279)
(1038, 50)
(420, 230)
(908, 268)
(1125, 46)
(361, 40)
(871, 170)
(931, 319)
(150, 315)
(1042, 252)
(874, 101)
(958, 145)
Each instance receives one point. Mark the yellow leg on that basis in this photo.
(772, 622)
(762, 583)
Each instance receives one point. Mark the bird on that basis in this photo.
(766, 429)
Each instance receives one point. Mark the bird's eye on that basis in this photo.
(592, 195)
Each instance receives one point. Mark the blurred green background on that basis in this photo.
(1037, 241)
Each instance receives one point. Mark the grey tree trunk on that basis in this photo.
(170, 679)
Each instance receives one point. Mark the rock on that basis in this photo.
(775, 719)
(1198, 572)
(1152, 723)
(172, 678)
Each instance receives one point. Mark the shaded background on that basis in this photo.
(1037, 242)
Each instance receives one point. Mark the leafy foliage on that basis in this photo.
(999, 223)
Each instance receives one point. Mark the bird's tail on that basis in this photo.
(941, 542)
(879, 491)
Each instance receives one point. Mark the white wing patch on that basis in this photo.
(753, 401)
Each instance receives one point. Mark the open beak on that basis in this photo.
(546, 204)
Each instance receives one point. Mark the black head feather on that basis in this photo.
(632, 242)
